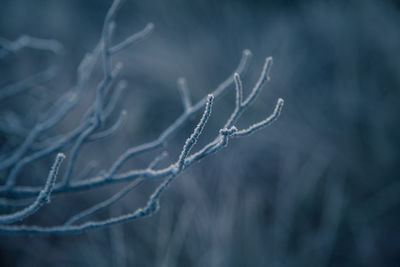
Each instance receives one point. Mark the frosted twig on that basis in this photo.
(135, 38)
(114, 198)
(191, 141)
(7, 46)
(42, 198)
(110, 130)
(37, 130)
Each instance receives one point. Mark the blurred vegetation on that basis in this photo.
(318, 188)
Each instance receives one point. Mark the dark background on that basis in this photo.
(320, 187)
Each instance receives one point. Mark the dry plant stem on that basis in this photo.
(42, 198)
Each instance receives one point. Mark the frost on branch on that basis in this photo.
(92, 128)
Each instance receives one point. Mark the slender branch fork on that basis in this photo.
(91, 129)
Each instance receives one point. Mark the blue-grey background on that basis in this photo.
(320, 187)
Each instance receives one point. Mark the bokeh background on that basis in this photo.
(320, 187)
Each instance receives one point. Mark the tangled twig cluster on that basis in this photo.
(91, 128)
